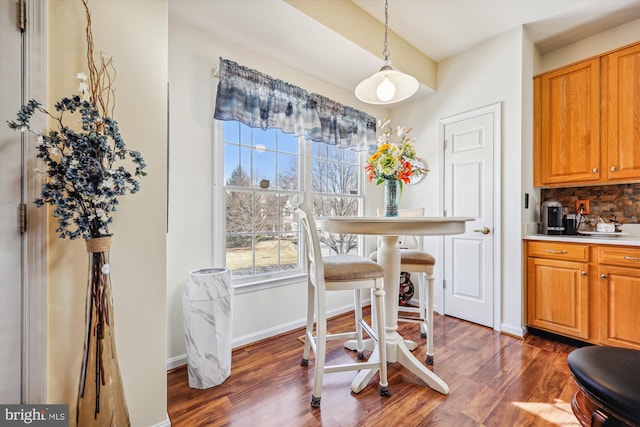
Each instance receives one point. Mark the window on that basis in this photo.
(268, 173)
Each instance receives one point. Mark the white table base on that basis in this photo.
(398, 349)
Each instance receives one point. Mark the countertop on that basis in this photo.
(630, 239)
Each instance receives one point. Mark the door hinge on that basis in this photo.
(22, 15)
(22, 218)
(444, 213)
(444, 145)
(444, 283)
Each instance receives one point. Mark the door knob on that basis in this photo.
(484, 230)
(613, 169)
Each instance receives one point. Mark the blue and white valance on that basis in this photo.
(261, 101)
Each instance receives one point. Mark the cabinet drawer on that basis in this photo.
(558, 250)
(622, 256)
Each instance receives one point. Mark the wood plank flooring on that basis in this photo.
(494, 380)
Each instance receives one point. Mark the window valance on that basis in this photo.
(261, 101)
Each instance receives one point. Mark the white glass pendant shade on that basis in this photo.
(387, 86)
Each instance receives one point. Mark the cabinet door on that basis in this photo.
(621, 113)
(619, 306)
(567, 124)
(558, 296)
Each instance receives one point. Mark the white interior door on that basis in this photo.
(10, 198)
(471, 174)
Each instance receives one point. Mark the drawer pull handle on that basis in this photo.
(632, 258)
(553, 251)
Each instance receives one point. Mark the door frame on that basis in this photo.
(35, 308)
(496, 110)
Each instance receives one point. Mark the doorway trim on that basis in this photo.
(496, 110)
(34, 347)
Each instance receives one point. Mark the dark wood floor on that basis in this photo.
(494, 380)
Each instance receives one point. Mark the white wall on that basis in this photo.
(607, 40)
(192, 56)
(489, 74)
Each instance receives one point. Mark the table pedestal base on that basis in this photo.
(398, 350)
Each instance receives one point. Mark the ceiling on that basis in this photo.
(438, 28)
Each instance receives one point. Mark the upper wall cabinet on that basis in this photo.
(587, 121)
(621, 113)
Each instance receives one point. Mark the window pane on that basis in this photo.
(289, 259)
(289, 222)
(318, 176)
(288, 143)
(288, 173)
(239, 255)
(245, 134)
(334, 152)
(319, 149)
(351, 179)
(264, 169)
(266, 254)
(239, 211)
(350, 156)
(231, 131)
(264, 139)
(231, 165)
(245, 164)
(337, 206)
(266, 212)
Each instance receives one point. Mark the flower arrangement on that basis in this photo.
(84, 171)
(393, 161)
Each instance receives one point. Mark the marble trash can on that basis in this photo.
(206, 304)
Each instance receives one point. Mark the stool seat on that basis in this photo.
(350, 267)
(610, 376)
(409, 256)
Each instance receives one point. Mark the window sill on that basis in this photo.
(275, 282)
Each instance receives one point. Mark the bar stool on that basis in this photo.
(609, 386)
(339, 273)
(414, 260)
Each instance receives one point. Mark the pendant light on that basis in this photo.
(387, 86)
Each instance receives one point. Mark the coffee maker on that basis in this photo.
(551, 217)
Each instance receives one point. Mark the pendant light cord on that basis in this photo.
(385, 52)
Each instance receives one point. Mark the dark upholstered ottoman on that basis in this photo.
(609, 382)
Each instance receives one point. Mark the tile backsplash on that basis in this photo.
(620, 202)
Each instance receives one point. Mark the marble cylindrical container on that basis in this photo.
(206, 304)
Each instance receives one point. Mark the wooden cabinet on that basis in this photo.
(619, 297)
(586, 121)
(558, 288)
(567, 137)
(584, 291)
(621, 113)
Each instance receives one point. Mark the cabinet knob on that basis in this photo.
(584, 273)
(613, 169)
(603, 276)
(595, 170)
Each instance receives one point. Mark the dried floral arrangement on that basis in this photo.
(88, 169)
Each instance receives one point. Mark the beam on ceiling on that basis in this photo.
(352, 22)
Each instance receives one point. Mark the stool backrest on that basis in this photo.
(314, 253)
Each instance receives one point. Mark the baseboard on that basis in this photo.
(176, 362)
(181, 360)
(165, 423)
(516, 331)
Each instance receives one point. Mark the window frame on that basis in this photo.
(281, 278)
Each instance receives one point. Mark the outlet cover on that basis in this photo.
(584, 204)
